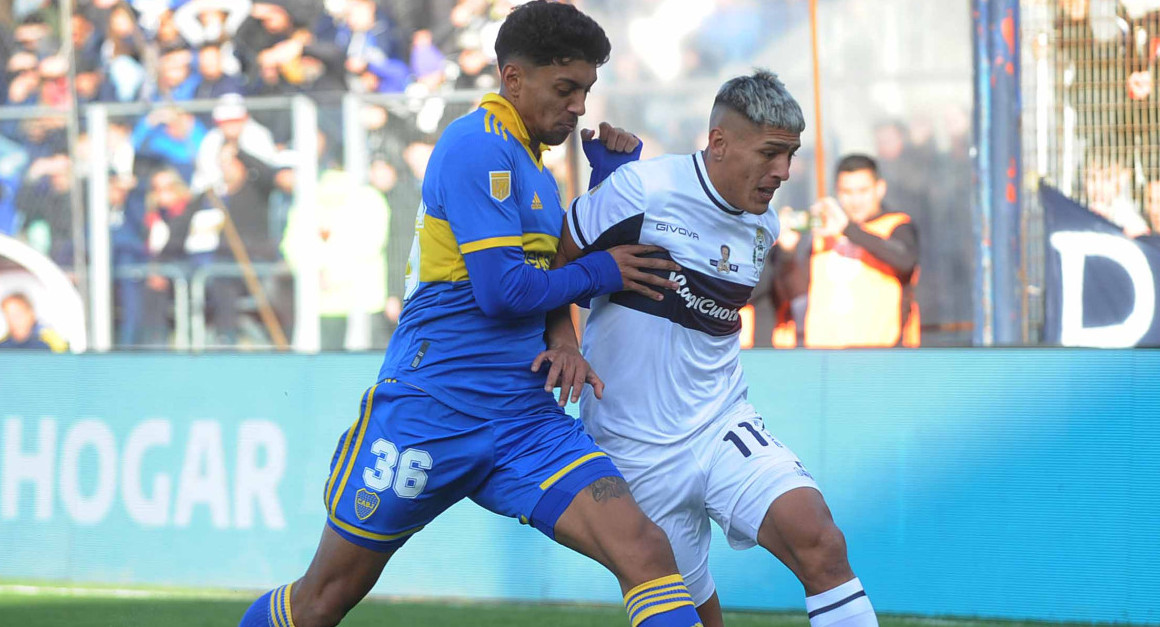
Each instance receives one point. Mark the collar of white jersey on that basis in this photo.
(707, 186)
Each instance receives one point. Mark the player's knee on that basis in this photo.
(822, 557)
(653, 554)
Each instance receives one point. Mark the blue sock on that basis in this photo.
(663, 602)
(270, 610)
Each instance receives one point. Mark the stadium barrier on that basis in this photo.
(1018, 484)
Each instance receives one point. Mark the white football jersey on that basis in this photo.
(670, 367)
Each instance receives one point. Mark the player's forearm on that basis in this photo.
(504, 286)
(561, 333)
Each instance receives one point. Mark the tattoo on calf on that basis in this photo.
(609, 488)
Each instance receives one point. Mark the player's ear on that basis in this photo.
(717, 143)
(511, 77)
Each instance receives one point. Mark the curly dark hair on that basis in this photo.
(551, 32)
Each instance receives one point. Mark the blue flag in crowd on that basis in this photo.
(1101, 286)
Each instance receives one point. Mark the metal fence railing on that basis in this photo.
(1091, 118)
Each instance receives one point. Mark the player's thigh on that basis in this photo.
(550, 474)
(541, 461)
(669, 487)
(749, 470)
(405, 460)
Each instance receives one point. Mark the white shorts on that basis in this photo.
(730, 472)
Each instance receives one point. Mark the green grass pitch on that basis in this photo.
(54, 606)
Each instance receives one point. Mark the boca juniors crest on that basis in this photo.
(365, 503)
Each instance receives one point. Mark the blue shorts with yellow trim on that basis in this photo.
(409, 457)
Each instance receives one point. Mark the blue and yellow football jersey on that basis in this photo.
(485, 187)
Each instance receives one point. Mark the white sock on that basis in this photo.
(844, 606)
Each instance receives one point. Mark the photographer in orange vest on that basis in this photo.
(858, 266)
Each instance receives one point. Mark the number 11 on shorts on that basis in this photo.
(737, 441)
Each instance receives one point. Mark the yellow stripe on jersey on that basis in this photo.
(491, 125)
(286, 604)
(540, 250)
(441, 259)
(491, 242)
(439, 256)
(569, 468)
(540, 243)
(362, 430)
(274, 608)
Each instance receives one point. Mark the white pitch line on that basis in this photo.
(123, 593)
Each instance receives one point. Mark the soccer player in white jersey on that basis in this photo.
(673, 414)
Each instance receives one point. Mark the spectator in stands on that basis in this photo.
(35, 36)
(268, 25)
(90, 81)
(233, 127)
(860, 265)
(245, 190)
(214, 82)
(168, 36)
(166, 203)
(45, 202)
(349, 240)
(176, 80)
(13, 161)
(127, 237)
(1108, 189)
(428, 63)
(86, 38)
(24, 331)
(123, 54)
(54, 90)
(202, 22)
(373, 55)
(1143, 47)
(477, 23)
(23, 79)
(170, 137)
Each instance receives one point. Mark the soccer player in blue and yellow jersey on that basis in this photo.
(457, 412)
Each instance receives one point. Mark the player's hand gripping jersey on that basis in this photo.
(478, 284)
(671, 366)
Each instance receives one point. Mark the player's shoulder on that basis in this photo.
(658, 176)
(477, 135)
(665, 171)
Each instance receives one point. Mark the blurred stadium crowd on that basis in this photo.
(201, 125)
(185, 150)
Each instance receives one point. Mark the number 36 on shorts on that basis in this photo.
(412, 464)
